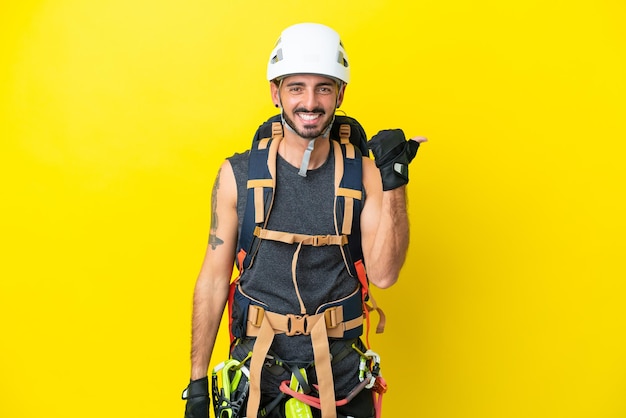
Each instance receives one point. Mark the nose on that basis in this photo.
(310, 99)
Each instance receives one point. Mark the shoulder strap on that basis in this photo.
(349, 199)
(260, 195)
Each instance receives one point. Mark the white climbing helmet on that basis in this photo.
(309, 48)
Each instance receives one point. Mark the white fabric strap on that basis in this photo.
(304, 166)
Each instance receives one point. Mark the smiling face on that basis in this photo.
(308, 102)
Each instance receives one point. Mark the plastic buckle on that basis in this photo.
(296, 325)
(320, 240)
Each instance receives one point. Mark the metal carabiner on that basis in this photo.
(374, 370)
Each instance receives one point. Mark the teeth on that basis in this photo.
(307, 117)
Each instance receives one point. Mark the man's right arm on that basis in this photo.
(212, 285)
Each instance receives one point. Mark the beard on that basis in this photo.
(308, 132)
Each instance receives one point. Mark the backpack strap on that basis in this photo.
(260, 197)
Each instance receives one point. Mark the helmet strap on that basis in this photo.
(304, 165)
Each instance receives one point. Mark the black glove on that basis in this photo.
(197, 396)
(393, 153)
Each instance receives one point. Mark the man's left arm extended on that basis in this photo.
(384, 228)
(384, 219)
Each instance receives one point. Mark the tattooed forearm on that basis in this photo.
(214, 241)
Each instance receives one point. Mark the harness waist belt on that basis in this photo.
(291, 324)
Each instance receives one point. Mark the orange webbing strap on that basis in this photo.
(382, 319)
(231, 296)
(380, 327)
(240, 257)
(379, 389)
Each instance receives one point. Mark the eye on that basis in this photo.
(324, 90)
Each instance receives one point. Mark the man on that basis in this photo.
(294, 280)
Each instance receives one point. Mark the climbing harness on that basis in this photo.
(369, 377)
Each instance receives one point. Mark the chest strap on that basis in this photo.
(291, 238)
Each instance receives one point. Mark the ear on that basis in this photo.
(342, 91)
(275, 94)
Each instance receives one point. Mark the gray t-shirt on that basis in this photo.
(301, 205)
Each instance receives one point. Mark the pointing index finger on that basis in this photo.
(419, 139)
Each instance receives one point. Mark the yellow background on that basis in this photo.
(116, 114)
